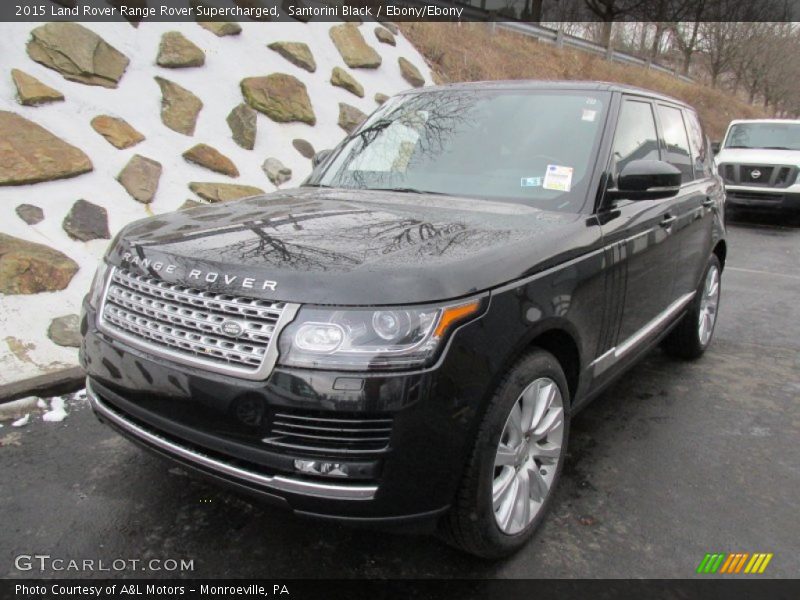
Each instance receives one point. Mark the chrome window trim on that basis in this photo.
(276, 482)
(261, 373)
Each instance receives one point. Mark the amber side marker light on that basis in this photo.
(453, 315)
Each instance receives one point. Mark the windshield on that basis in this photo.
(531, 147)
(778, 136)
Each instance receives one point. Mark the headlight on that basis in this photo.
(98, 284)
(358, 339)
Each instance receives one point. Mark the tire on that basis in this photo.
(472, 525)
(687, 340)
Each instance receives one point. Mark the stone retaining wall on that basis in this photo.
(105, 123)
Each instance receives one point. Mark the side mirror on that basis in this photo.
(646, 180)
(715, 147)
(320, 157)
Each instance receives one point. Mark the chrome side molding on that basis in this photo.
(611, 356)
(275, 483)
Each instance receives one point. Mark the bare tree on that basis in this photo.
(532, 11)
(569, 16)
(687, 35)
(662, 14)
(774, 56)
(719, 45)
(609, 11)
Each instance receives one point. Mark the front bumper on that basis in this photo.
(275, 483)
(763, 198)
(195, 417)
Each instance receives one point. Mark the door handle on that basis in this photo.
(667, 221)
(708, 202)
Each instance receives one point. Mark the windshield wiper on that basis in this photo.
(776, 148)
(408, 190)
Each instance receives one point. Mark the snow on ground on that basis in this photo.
(22, 421)
(23, 413)
(24, 319)
(56, 413)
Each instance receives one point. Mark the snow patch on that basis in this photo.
(56, 413)
(23, 421)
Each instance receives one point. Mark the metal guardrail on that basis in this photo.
(559, 38)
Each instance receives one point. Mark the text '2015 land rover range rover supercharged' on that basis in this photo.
(404, 338)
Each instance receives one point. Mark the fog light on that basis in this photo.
(318, 467)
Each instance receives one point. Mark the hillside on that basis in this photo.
(470, 52)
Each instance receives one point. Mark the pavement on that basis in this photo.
(676, 460)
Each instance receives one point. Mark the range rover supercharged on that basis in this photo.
(759, 162)
(403, 339)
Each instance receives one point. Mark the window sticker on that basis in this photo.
(530, 182)
(588, 115)
(558, 178)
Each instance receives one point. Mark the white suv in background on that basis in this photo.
(759, 161)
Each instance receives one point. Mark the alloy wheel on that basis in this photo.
(708, 305)
(527, 455)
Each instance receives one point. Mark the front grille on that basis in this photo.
(186, 324)
(756, 175)
(760, 196)
(768, 175)
(329, 435)
(782, 179)
(728, 173)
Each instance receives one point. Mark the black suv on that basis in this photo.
(404, 338)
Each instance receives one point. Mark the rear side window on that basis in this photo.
(702, 164)
(636, 137)
(676, 140)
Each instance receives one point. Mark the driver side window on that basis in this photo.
(636, 137)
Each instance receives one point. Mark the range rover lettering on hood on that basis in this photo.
(158, 266)
(349, 247)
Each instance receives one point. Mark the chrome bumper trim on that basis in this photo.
(277, 482)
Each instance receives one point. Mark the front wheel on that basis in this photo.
(692, 335)
(516, 460)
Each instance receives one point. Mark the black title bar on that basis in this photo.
(551, 11)
(433, 589)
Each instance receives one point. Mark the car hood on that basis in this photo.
(328, 246)
(750, 156)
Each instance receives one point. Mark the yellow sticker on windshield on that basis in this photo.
(558, 178)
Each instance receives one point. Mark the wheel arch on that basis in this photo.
(563, 345)
(558, 337)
